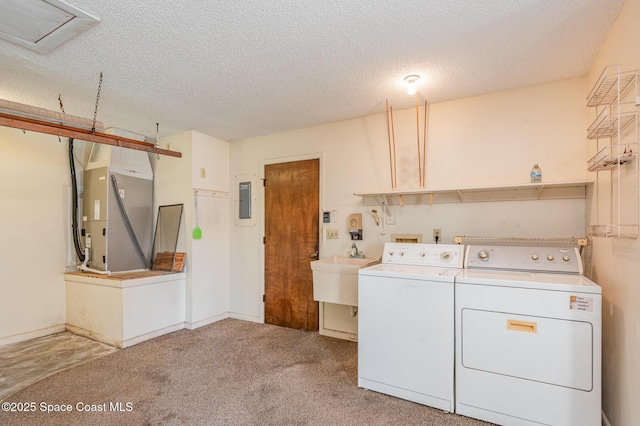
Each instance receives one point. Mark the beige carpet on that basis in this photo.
(228, 373)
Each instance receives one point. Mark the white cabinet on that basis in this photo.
(122, 310)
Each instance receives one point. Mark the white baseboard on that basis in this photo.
(206, 321)
(337, 334)
(244, 317)
(156, 333)
(216, 318)
(23, 337)
(17, 338)
(99, 337)
(119, 343)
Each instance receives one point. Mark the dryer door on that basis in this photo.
(547, 350)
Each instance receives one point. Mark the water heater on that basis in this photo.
(118, 188)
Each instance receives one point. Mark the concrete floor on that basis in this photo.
(24, 363)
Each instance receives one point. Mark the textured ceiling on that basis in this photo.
(236, 69)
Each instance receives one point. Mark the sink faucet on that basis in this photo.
(355, 252)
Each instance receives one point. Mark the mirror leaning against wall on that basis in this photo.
(166, 238)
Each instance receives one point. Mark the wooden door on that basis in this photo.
(291, 238)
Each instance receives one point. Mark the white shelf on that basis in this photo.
(617, 93)
(609, 124)
(614, 231)
(522, 192)
(610, 86)
(611, 156)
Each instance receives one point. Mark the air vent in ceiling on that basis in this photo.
(42, 25)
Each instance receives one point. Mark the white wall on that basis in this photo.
(615, 263)
(482, 141)
(176, 179)
(35, 189)
(211, 253)
(172, 184)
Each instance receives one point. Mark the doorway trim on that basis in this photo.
(261, 210)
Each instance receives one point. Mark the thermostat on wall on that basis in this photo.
(329, 216)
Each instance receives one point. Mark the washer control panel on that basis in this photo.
(450, 255)
(523, 258)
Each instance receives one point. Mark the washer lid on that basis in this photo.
(532, 280)
(424, 273)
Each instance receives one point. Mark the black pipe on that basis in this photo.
(74, 208)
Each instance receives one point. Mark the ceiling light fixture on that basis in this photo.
(411, 81)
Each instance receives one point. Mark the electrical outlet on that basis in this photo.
(332, 234)
(203, 172)
(436, 235)
(390, 216)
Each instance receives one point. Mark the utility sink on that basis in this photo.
(335, 279)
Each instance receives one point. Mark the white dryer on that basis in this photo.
(405, 323)
(528, 337)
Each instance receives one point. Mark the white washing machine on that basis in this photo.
(406, 323)
(528, 337)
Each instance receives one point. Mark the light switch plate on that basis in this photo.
(332, 234)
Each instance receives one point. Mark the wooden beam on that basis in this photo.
(40, 126)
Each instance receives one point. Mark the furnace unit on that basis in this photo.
(118, 191)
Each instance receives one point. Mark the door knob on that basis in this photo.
(314, 255)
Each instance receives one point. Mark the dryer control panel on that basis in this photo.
(449, 255)
(524, 258)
